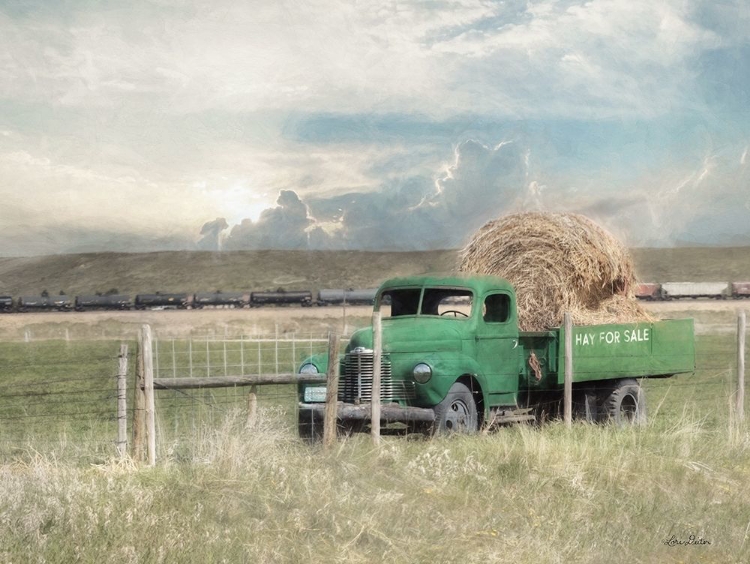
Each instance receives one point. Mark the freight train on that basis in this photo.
(648, 291)
(197, 300)
(651, 291)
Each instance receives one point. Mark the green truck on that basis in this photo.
(453, 359)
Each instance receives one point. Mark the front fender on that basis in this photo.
(320, 361)
(446, 369)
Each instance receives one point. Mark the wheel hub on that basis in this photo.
(457, 416)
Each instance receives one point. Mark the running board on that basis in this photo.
(500, 416)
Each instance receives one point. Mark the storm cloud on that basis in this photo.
(211, 231)
(285, 226)
(484, 182)
(412, 213)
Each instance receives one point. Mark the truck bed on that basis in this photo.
(656, 349)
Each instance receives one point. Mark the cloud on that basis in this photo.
(211, 231)
(282, 227)
(410, 213)
(600, 57)
(151, 118)
(484, 182)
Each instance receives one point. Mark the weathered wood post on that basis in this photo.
(377, 353)
(139, 405)
(148, 388)
(252, 407)
(741, 329)
(122, 422)
(568, 382)
(332, 391)
(343, 305)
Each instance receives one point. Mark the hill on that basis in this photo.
(182, 271)
(177, 271)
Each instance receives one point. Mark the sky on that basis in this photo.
(373, 125)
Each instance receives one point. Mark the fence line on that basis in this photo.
(740, 402)
(52, 391)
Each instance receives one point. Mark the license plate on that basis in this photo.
(316, 394)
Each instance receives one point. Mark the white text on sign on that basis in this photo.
(614, 337)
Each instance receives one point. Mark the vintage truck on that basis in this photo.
(453, 359)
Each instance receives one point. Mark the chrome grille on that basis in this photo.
(355, 385)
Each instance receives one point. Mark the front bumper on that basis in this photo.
(389, 412)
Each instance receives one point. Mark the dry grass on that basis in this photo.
(557, 263)
(588, 494)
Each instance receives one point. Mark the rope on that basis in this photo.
(534, 364)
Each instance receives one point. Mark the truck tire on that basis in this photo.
(457, 413)
(626, 403)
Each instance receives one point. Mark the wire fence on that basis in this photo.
(180, 413)
(59, 397)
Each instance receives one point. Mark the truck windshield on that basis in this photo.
(445, 302)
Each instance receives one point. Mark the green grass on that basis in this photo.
(61, 396)
(224, 492)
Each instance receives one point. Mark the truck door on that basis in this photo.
(497, 346)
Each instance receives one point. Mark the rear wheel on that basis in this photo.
(626, 403)
(457, 413)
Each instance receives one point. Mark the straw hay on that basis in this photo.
(557, 262)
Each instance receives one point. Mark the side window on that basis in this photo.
(496, 308)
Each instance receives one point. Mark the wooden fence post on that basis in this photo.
(139, 405)
(252, 407)
(332, 391)
(122, 422)
(148, 382)
(741, 326)
(377, 353)
(568, 382)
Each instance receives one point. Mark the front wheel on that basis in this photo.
(626, 403)
(457, 413)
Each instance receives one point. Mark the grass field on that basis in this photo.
(223, 492)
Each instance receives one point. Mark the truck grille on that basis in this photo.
(355, 385)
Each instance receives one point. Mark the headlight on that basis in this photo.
(422, 372)
(308, 368)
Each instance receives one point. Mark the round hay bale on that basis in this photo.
(557, 262)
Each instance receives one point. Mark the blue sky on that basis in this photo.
(368, 125)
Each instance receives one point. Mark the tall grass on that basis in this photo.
(522, 494)
(225, 492)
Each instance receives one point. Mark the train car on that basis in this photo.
(44, 303)
(6, 304)
(178, 301)
(695, 290)
(648, 291)
(110, 302)
(350, 297)
(740, 290)
(281, 297)
(221, 299)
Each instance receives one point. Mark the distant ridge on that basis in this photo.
(186, 271)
